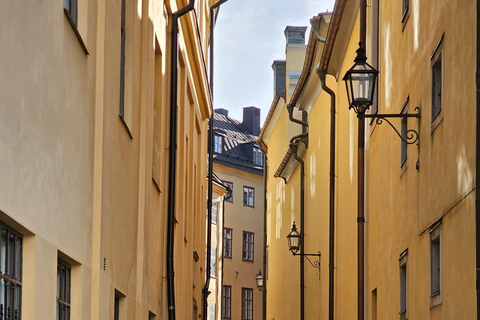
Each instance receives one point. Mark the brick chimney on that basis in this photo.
(251, 120)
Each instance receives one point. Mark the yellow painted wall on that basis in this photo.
(403, 203)
(85, 185)
(236, 272)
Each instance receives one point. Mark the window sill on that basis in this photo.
(405, 17)
(436, 121)
(75, 30)
(435, 299)
(126, 126)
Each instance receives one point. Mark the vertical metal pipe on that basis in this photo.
(205, 290)
(331, 249)
(361, 216)
(264, 292)
(172, 161)
(361, 181)
(302, 235)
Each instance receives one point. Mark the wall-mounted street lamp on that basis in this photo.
(259, 280)
(294, 241)
(360, 83)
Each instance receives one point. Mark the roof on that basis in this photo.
(238, 144)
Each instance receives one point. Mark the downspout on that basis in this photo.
(293, 146)
(173, 160)
(208, 271)
(264, 292)
(331, 250)
(477, 166)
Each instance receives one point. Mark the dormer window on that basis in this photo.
(257, 156)
(217, 143)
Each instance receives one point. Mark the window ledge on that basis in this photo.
(126, 126)
(437, 120)
(75, 29)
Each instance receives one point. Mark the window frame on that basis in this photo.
(405, 12)
(403, 297)
(12, 279)
(403, 132)
(437, 60)
(71, 10)
(218, 143)
(246, 200)
(257, 156)
(436, 263)
(248, 246)
(225, 241)
(225, 314)
(215, 209)
(64, 289)
(247, 296)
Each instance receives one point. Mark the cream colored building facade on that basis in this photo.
(238, 162)
(85, 99)
(420, 200)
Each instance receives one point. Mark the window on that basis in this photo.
(215, 212)
(227, 302)
(248, 196)
(436, 265)
(437, 84)
(247, 246)
(213, 262)
(247, 304)
(403, 132)
(122, 62)
(227, 242)
(71, 7)
(64, 276)
(217, 144)
(229, 196)
(11, 248)
(405, 10)
(116, 312)
(257, 156)
(403, 285)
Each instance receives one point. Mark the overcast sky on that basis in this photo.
(248, 37)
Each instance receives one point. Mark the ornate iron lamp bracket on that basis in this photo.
(315, 264)
(411, 136)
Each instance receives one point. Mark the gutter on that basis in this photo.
(208, 271)
(172, 160)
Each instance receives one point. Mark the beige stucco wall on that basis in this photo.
(236, 272)
(77, 180)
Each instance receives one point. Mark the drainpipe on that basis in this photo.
(264, 292)
(293, 147)
(173, 161)
(205, 291)
(331, 250)
(477, 165)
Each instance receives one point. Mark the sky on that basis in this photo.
(248, 38)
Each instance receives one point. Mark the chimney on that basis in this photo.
(279, 67)
(295, 35)
(221, 111)
(251, 120)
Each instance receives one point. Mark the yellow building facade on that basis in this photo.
(419, 198)
(238, 162)
(97, 222)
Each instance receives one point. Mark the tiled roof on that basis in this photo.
(237, 143)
